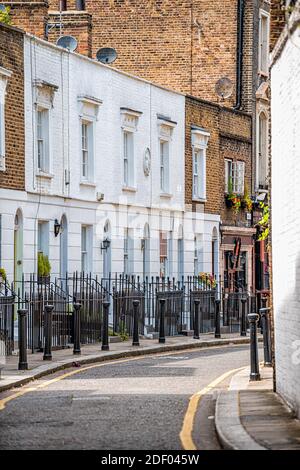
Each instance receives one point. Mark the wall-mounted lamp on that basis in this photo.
(57, 227)
(105, 244)
(143, 244)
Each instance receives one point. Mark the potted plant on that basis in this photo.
(44, 268)
(246, 202)
(2, 275)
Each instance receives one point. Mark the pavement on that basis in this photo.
(64, 358)
(250, 416)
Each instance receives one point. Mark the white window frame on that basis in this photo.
(165, 133)
(87, 149)
(129, 126)
(128, 159)
(200, 138)
(259, 153)
(264, 42)
(164, 166)
(43, 164)
(4, 76)
(237, 174)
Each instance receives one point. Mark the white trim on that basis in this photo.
(261, 71)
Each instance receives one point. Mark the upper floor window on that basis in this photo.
(4, 76)
(86, 150)
(199, 145)
(262, 163)
(264, 32)
(164, 166)
(165, 130)
(42, 136)
(128, 158)
(234, 176)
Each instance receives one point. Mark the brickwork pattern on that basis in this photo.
(11, 58)
(223, 143)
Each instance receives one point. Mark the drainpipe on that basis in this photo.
(239, 53)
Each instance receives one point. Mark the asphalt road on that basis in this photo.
(130, 405)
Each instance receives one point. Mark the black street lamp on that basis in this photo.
(105, 244)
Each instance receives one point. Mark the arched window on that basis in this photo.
(262, 157)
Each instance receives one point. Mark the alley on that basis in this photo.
(130, 404)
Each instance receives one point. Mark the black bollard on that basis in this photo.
(243, 319)
(136, 311)
(254, 365)
(162, 338)
(48, 332)
(218, 319)
(77, 325)
(105, 343)
(264, 315)
(196, 319)
(23, 364)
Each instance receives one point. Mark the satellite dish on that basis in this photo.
(224, 87)
(2, 7)
(67, 42)
(106, 55)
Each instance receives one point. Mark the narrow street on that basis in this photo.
(131, 404)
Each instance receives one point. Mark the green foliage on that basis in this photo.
(4, 16)
(264, 221)
(44, 266)
(247, 200)
(3, 273)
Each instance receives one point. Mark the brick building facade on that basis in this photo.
(223, 145)
(12, 172)
(12, 140)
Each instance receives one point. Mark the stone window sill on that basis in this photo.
(131, 189)
(166, 195)
(89, 184)
(44, 174)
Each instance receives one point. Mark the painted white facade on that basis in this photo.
(286, 219)
(73, 89)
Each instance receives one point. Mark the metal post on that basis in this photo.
(196, 319)
(254, 365)
(76, 348)
(162, 338)
(136, 311)
(48, 333)
(105, 343)
(264, 315)
(23, 364)
(218, 319)
(243, 319)
(263, 305)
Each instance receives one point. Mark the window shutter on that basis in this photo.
(240, 176)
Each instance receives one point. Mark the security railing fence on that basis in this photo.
(179, 296)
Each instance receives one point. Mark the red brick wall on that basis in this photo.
(230, 136)
(11, 58)
(32, 16)
(186, 45)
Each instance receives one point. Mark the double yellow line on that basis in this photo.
(186, 432)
